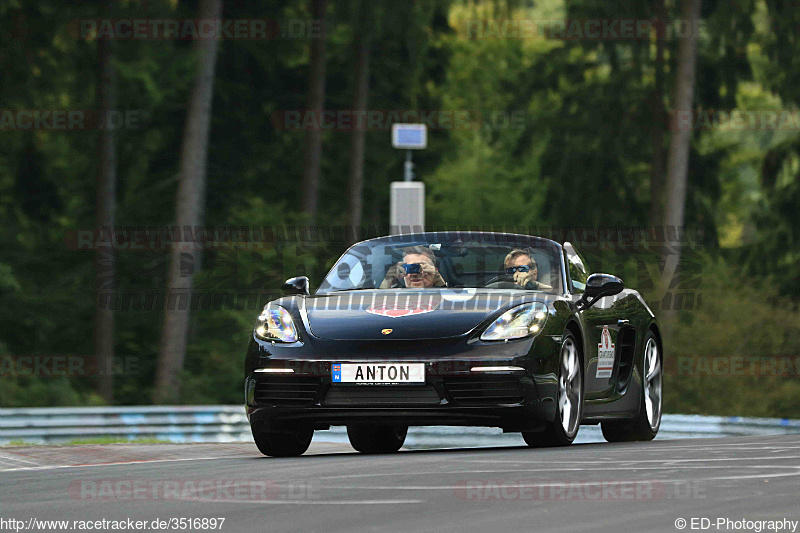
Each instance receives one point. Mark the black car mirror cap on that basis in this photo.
(299, 285)
(599, 286)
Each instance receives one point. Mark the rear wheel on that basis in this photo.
(374, 438)
(290, 443)
(645, 426)
(569, 403)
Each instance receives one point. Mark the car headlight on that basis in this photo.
(521, 321)
(275, 324)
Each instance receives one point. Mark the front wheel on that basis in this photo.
(290, 443)
(646, 425)
(569, 404)
(373, 438)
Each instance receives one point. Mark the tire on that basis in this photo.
(373, 438)
(283, 444)
(569, 403)
(645, 426)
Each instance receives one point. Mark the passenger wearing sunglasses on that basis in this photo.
(417, 270)
(521, 266)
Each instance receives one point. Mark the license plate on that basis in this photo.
(378, 373)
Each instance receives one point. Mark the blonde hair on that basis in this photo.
(513, 254)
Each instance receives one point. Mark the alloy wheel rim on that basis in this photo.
(569, 388)
(652, 383)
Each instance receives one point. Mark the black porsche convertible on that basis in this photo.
(456, 328)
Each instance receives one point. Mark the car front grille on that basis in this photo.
(377, 395)
(484, 390)
(287, 390)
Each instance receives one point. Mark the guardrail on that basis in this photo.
(51, 425)
(228, 423)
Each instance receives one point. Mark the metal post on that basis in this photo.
(408, 174)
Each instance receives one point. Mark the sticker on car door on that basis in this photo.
(605, 355)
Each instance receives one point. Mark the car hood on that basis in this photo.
(402, 314)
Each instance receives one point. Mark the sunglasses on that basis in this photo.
(521, 268)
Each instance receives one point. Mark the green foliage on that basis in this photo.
(32, 391)
(717, 356)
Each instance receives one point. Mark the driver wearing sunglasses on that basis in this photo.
(522, 267)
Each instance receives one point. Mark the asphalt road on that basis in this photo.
(587, 487)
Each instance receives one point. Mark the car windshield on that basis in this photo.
(493, 261)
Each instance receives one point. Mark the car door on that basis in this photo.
(602, 322)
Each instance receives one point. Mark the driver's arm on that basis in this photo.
(438, 280)
(538, 285)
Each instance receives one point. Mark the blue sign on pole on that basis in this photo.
(409, 136)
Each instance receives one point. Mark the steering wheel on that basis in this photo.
(503, 279)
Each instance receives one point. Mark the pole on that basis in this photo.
(408, 174)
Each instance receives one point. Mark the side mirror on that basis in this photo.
(598, 286)
(298, 285)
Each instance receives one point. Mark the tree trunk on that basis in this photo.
(678, 161)
(360, 98)
(316, 100)
(105, 199)
(188, 214)
(658, 125)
